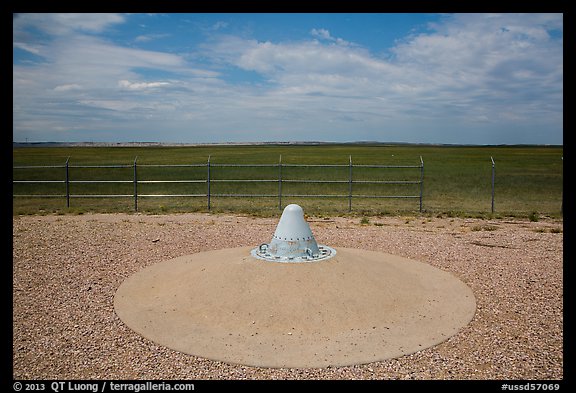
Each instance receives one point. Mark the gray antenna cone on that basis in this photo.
(293, 236)
(293, 240)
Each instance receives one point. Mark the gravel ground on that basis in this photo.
(66, 270)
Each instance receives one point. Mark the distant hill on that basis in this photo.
(296, 143)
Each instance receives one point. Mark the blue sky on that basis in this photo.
(194, 78)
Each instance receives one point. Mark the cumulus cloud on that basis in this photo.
(220, 25)
(472, 68)
(96, 64)
(325, 35)
(140, 85)
(84, 79)
(497, 70)
(34, 49)
(68, 87)
(59, 24)
(321, 33)
(281, 60)
(150, 37)
(500, 61)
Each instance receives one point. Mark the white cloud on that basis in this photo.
(321, 33)
(150, 37)
(59, 24)
(219, 25)
(68, 87)
(325, 35)
(89, 82)
(496, 71)
(83, 50)
(34, 49)
(506, 63)
(282, 60)
(97, 64)
(141, 85)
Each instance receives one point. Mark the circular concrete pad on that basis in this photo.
(358, 307)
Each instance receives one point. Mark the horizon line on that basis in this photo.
(168, 144)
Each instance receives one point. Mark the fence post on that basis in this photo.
(280, 183)
(135, 185)
(67, 184)
(421, 181)
(493, 177)
(208, 182)
(350, 187)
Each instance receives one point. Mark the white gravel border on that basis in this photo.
(66, 270)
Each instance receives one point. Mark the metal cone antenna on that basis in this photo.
(293, 240)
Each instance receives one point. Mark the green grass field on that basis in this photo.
(457, 179)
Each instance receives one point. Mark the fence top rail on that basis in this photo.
(353, 165)
(385, 166)
(172, 165)
(102, 166)
(37, 166)
(245, 165)
(319, 165)
(38, 181)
